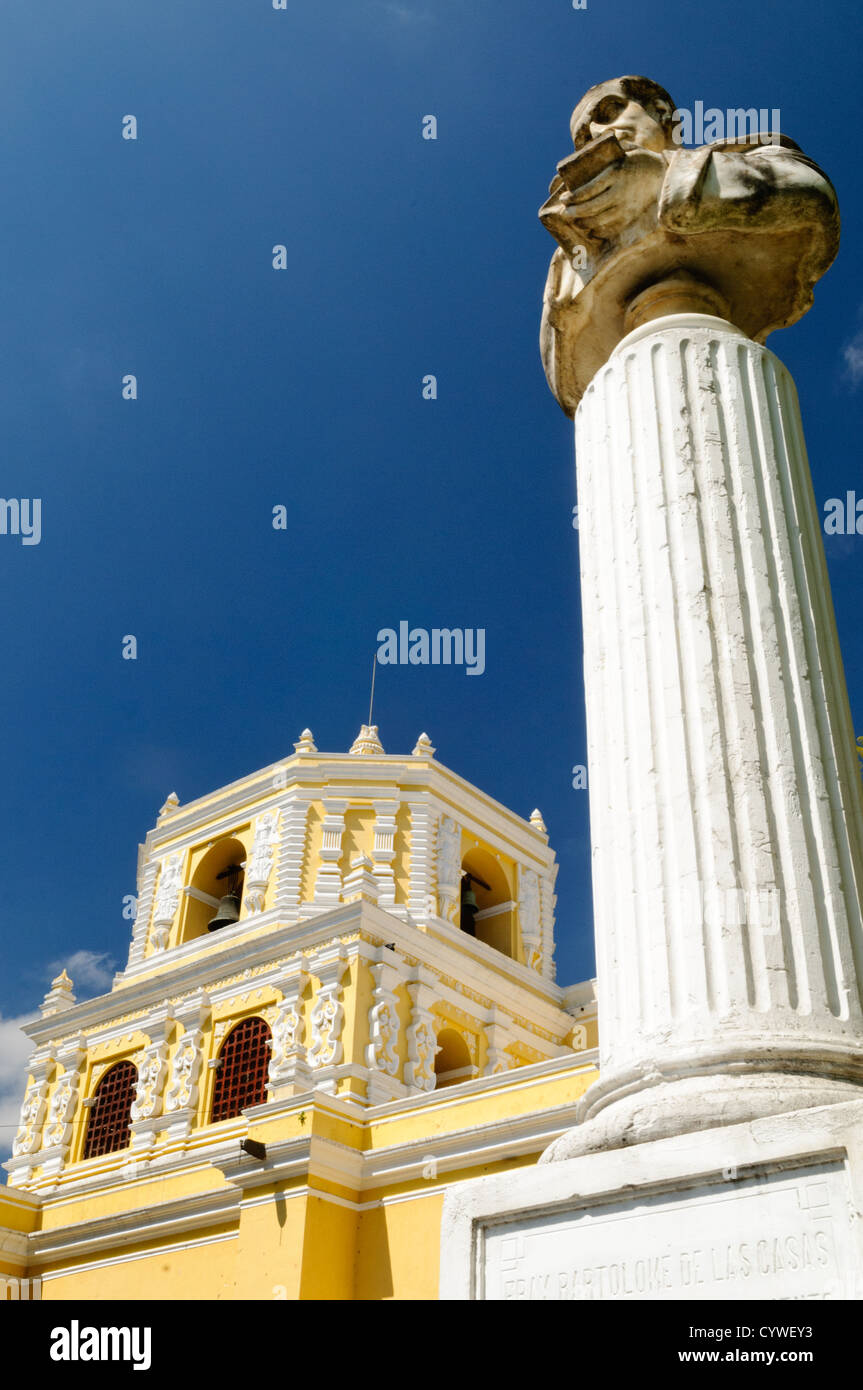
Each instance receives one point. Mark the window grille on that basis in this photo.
(241, 1077)
(108, 1125)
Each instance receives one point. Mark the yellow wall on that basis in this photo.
(304, 1238)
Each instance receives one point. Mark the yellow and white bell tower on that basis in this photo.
(339, 999)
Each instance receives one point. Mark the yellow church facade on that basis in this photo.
(339, 1001)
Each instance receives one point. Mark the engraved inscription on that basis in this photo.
(776, 1235)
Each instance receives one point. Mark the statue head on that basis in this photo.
(639, 111)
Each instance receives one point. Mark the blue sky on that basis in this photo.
(303, 388)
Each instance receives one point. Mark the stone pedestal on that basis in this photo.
(725, 800)
(765, 1210)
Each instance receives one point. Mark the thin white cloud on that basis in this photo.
(854, 358)
(15, 1048)
(89, 970)
(402, 13)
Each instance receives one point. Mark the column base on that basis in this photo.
(765, 1210)
(662, 1107)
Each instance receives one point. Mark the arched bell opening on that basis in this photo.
(486, 902)
(452, 1063)
(214, 896)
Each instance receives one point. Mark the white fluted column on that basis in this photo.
(725, 803)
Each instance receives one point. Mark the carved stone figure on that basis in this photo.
(737, 228)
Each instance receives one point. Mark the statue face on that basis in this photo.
(631, 122)
(631, 107)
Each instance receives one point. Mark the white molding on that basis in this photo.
(507, 983)
(137, 1225)
(14, 1245)
(517, 1079)
(494, 911)
(134, 1255)
(341, 775)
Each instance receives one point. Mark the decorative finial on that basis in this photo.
(305, 743)
(59, 997)
(172, 801)
(537, 821)
(424, 747)
(367, 743)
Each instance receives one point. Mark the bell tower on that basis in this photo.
(320, 948)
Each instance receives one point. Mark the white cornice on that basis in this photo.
(307, 1158)
(130, 1256)
(14, 1245)
(516, 1079)
(479, 967)
(141, 1224)
(343, 775)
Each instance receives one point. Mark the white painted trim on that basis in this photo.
(133, 1227)
(256, 793)
(171, 1249)
(510, 985)
(517, 1079)
(13, 1244)
(495, 911)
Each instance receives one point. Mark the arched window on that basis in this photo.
(216, 891)
(486, 902)
(452, 1063)
(108, 1126)
(241, 1076)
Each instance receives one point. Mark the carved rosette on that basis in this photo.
(260, 865)
(448, 868)
(167, 900)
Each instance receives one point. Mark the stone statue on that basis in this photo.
(737, 228)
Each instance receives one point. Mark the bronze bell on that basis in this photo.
(227, 913)
(468, 908)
